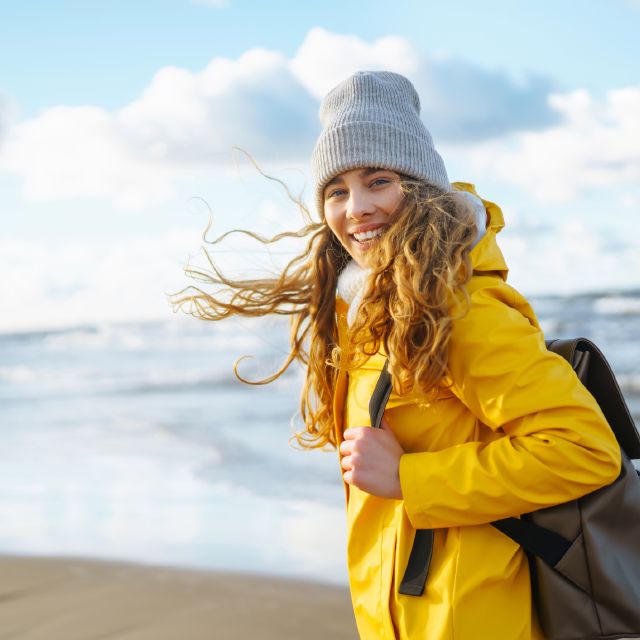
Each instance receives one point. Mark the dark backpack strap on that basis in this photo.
(544, 543)
(603, 386)
(380, 396)
(415, 575)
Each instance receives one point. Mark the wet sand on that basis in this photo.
(80, 599)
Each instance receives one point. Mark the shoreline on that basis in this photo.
(68, 598)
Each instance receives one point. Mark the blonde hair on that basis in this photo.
(416, 289)
(420, 269)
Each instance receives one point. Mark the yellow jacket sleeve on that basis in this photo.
(552, 443)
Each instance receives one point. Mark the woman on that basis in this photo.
(482, 423)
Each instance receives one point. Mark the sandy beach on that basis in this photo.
(80, 599)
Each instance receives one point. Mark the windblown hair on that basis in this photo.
(419, 270)
(417, 284)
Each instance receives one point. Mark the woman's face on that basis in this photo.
(359, 205)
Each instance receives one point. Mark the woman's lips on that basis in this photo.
(367, 233)
(363, 236)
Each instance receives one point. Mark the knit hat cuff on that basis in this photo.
(357, 144)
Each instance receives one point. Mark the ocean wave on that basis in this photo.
(55, 378)
(99, 337)
(175, 385)
(549, 326)
(287, 479)
(26, 386)
(629, 382)
(26, 383)
(618, 305)
(18, 375)
(84, 337)
(179, 336)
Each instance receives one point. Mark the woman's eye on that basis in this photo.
(335, 193)
(378, 181)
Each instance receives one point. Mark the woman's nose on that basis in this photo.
(359, 205)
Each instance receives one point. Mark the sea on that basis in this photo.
(136, 441)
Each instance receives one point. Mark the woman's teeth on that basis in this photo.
(368, 235)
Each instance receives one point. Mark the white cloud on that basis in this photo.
(8, 110)
(65, 284)
(261, 101)
(572, 257)
(183, 119)
(70, 152)
(460, 101)
(596, 146)
(254, 102)
(629, 200)
(326, 58)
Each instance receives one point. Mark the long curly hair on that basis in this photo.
(418, 273)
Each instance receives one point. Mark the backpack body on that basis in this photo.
(592, 590)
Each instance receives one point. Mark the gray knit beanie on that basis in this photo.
(372, 119)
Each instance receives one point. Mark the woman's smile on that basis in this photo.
(367, 235)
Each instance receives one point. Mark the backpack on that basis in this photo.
(584, 554)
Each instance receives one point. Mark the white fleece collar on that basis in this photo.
(351, 284)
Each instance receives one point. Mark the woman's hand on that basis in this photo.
(371, 459)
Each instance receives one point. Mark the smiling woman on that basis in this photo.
(403, 274)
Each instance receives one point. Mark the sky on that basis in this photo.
(119, 120)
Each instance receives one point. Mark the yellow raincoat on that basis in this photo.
(515, 432)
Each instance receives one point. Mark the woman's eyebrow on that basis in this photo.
(363, 174)
(335, 180)
(369, 170)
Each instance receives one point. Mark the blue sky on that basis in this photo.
(114, 115)
(104, 52)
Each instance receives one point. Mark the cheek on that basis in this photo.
(335, 223)
(394, 201)
(337, 229)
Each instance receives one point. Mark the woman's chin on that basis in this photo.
(361, 251)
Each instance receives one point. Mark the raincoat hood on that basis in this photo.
(486, 256)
